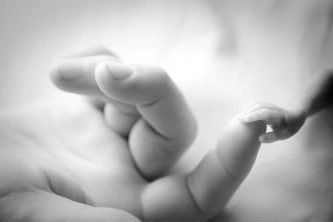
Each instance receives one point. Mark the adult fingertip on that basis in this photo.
(108, 71)
(119, 71)
(55, 73)
(63, 73)
(64, 70)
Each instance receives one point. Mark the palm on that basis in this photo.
(75, 143)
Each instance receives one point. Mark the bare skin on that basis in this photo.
(315, 96)
(77, 160)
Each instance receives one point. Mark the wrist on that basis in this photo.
(299, 109)
(299, 115)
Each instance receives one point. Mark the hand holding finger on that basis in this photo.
(284, 123)
(76, 74)
(269, 116)
(167, 126)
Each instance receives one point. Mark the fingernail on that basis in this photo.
(119, 71)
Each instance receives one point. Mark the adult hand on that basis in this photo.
(284, 123)
(105, 159)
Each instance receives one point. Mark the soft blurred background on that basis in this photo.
(221, 53)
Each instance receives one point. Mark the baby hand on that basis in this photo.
(284, 122)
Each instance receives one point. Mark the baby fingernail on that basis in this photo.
(119, 71)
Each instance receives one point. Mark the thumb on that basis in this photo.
(221, 172)
(38, 205)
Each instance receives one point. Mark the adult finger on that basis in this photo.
(76, 74)
(120, 120)
(38, 205)
(94, 51)
(206, 190)
(167, 127)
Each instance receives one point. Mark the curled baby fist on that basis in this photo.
(284, 122)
